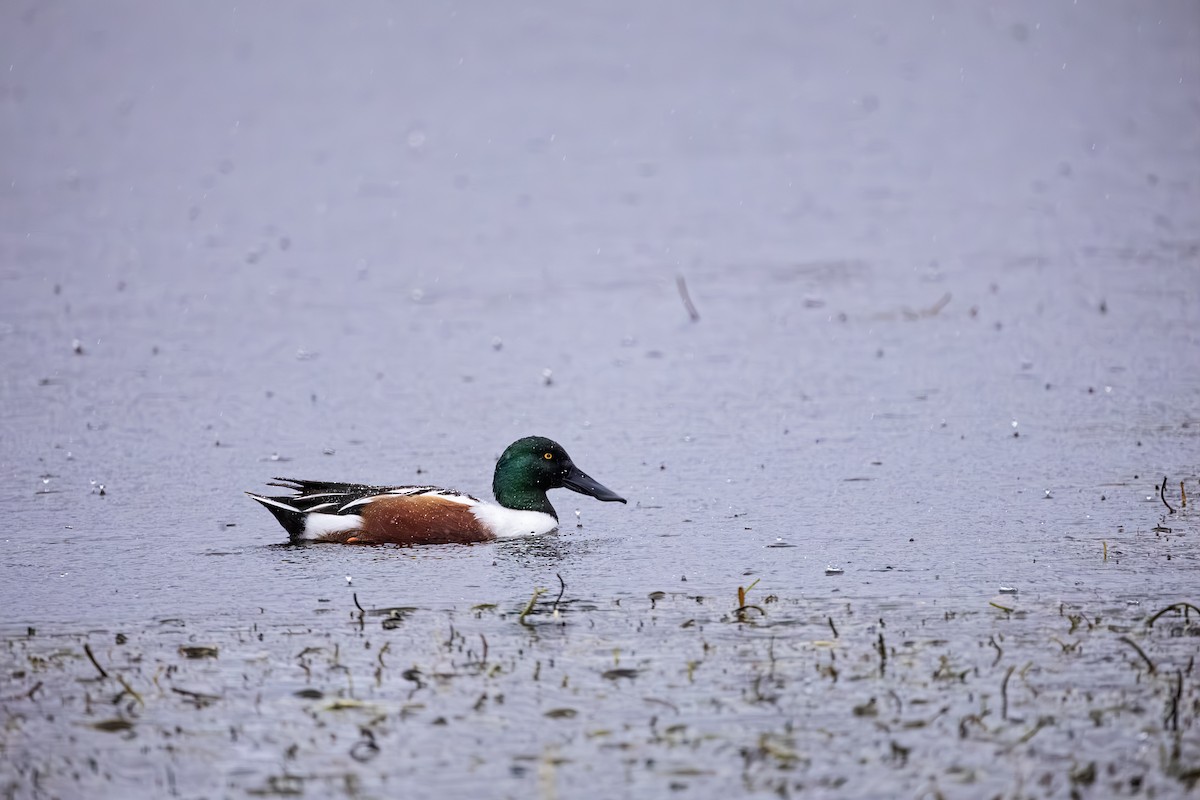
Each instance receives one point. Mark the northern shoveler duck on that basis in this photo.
(352, 513)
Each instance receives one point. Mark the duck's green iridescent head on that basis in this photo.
(532, 466)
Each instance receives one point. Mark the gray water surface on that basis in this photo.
(946, 260)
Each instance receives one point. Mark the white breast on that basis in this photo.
(507, 523)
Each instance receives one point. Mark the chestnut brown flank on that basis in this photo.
(417, 520)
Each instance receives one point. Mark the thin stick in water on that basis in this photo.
(538, 592)
(1173, 717)
(130, 691)
(1185, 606)
(1004, 693)
(1140, 652)
(92, 657)
(681, 284)
(562, 588)
(1162, 493)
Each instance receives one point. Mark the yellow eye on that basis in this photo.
(548, 456)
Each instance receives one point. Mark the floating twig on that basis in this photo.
(741, 611)
(1004, 693)
(92, 657)
(362, 613)
(933, 310)
(1043, 722)
(1185, 606)
(1075, 620)
(833, 627)
(972, 719)
(198, 651)
(743, 591)
(1173, 717)
(681, 284)
(201, 699)
(28, 695)
(666, 703)
(999, 650)
(1162, 494)
(882, 648)
(743, 606)
(365, 748)
(483, 658)
(538, 592)
(1140, 652)
(1182, 495)
(1002, 608)
(129, 690)
(562, 588)
(379, 669)
(1067, 647)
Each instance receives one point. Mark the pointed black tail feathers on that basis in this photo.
(292, 519)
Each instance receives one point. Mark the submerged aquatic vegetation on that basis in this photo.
(653, 696)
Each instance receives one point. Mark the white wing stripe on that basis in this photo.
(275, 503)
(414, 491)
(360, 502)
